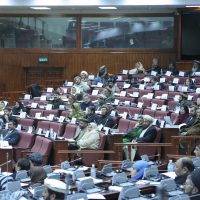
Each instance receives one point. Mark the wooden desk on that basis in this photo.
(119, 147)
(59, 145)
(6, 155)
(166, 134)
(109, 145)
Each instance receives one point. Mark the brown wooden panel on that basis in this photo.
(13, 61)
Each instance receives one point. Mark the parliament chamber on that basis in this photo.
(128, 63)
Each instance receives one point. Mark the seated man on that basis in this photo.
(104, 118)
(195, 128)
(192, 185)
(135, 132)
(149, 131)
(55, 189)
(80, 131)
(183, 167)
(37, 172)
(86, 102)
(12, 135)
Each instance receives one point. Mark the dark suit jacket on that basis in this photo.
(12, 137)
(149, 135)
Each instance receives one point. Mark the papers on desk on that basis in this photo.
(115, 188)
(95, 196)
(24, 184)
(70, 140)
(64, 171)
(170, 174)
(6, 173)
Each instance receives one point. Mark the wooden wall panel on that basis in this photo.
(13, 61)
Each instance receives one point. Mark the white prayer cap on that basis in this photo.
(55, 185)
(148, 118)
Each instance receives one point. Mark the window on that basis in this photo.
(127, 32)
(38, 32)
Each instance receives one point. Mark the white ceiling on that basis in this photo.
(86, 7)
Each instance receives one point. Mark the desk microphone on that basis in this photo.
(5, 163)
(75, 160)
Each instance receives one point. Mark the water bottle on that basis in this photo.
(1, 137)
(170, 166)
(93, 171)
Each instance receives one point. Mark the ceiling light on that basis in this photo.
(108, 8)
(192, 6)
(40, 8)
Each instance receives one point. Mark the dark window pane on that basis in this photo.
(38, 32)
(127, 32)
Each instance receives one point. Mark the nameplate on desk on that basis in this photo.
(61, 119)
(43, 98)
(73, 120)
(162, 80)
(171, 88)
(122, 94)
(176, 80)
(126, 85)
(181, 73)
(27, 96)
(99, 84)
(116, 102)
(124, 71)
(30, 129)
(50, 117)
(95, 92)
(22, 115)
(91, 77)
(49, 107)
(164, 96)
(140, 104)
(168, 73)
(34, 105)
(50, 90)
(38, 115)
(5, 145)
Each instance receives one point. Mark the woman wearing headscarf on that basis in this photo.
(76, 111)
(17, 108)
(90, 139)
(183, 115)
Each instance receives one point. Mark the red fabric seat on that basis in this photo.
(70, 130)
(48, 112)
(26, 142)
(34, 111)
(58, 128)
(123, 125)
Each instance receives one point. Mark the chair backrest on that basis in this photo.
(26, 122)
(48, 112)
(70, 130)
(13, 186)
(26, 140)
(58, 128)
(129, 192)
(168, 184)
(34, 111)
(82, 196)
(46, 148)
(180, 197)
(37, 144)
(123, 125)
(21, 175)
(102, 141)
(43, 125)
(38, 191)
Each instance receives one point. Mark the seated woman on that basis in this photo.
(17, 108)
(90, 139)
(76, 112)
(183, 115)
